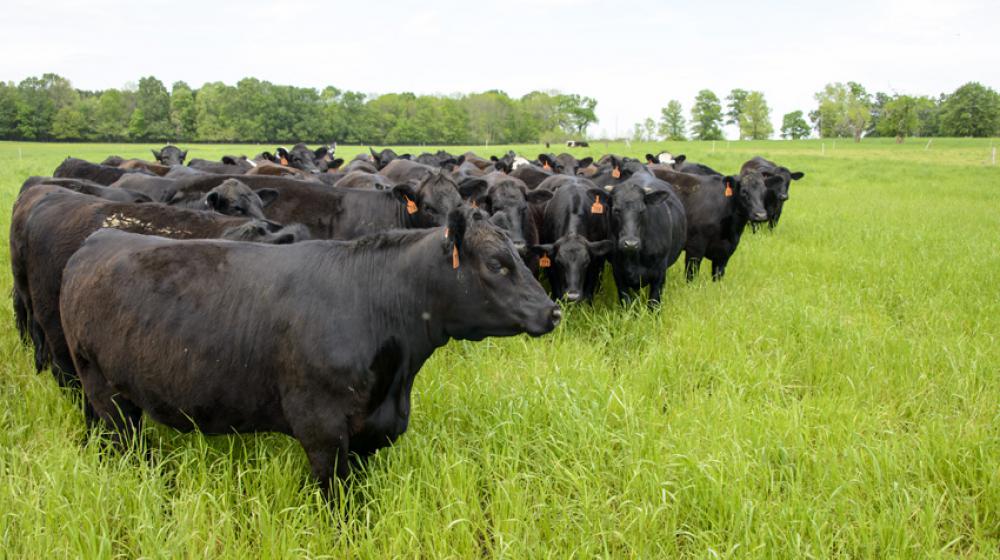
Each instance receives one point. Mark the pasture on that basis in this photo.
(836, 395)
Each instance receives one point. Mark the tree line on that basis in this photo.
(254, 111)
(842, 111)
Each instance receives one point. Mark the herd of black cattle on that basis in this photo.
(192, 293)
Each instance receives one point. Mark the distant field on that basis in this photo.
(837, 395)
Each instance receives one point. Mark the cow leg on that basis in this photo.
(107, 407)
(691, 266)
(656, 291)
(323, 433)
(718, 270)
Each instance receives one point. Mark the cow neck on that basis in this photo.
(738, 218)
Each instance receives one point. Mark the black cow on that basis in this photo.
(52, 223)
(232, 198)
(569, 165)
(228, 165)
(504, 164)
(648, 224)
(320, 340)
(73, 168)
(681, 164)
(87, 187)
(502, 194)
(302, 158)
(404, 170)
(575, 238)
(532, 174)
(718, 210)
(385, 157)
(778, 179)
(170, 156)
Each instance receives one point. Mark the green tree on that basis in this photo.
(114, 108)
(899, 118)
(69, 123)
(35, 109)
(183, 114)
(879, 101)
(972, 110)
(794, 126)
(928, 117)
(755, 117)
(212, 107)
(579, 112)
(637, 132)
(706, 116)
(735, 102)
(844, 110)
(650, 129)
(672, 121)
(153, 103)
(8, 110)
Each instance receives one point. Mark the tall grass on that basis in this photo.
(837, 395)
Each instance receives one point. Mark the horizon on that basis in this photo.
(896, 47)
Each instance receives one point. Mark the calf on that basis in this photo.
(52, 224)
(320, 341)
(510, 196)
(649, 225)
(718, 210)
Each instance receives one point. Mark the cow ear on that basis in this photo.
(184, 155)
(321, 152)
(460, 160)
(472, 188)
(404, 156)
(494, 159)
(282, 153)
(798, 175)
(543, 249)
(267, 196)
(679, 159)
(228, 160)
(650, 158)
(732, 183)
(585, 162)
(215, 201)
(600, 248)
(156, 154)
(538, 196)
(656, 196)
(457, 224)
(405, 191)
(600, 193)
(335, 164)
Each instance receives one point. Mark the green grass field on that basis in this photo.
(837, 395)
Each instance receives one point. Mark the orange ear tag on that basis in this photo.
(547, 166)
(597, 207)
(474, 205)
(411, 207)
(284, 161)
(729, 189)
(617, 173)
(454, 257)
(544, 262)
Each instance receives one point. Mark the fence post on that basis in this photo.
(928, 146)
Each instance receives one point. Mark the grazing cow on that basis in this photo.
(778, 180)
(577, 144)
(87, 187)
(52, 223)
(170, 156)
(718, 210)
(648, 223)
(232, 198)
(575, 238)
(385, 157)
(320, 340)
(73, 168)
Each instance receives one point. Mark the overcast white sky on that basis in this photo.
(632, 56)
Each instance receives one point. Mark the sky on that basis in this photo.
(633, 57)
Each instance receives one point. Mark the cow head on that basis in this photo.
(383, 158)
(570, 256)
(629, 202)
(504, 164)
(496, 294)
(549, 162)
(748, 191)
(512, 199)
(569, 165)
(234, 198)
(778, 180)
(299, 157)
(267, 232)
(170, 155)
(433, 199)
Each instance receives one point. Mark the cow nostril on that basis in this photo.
(573, 296)
(556, 316)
